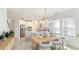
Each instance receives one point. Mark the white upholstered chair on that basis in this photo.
(45, 45)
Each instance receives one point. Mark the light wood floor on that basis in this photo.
(23, 44)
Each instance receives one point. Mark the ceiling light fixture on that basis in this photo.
(45, 16)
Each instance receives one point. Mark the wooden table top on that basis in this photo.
(37, 39)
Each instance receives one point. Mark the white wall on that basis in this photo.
(23, 22)
(11, 23)
(17, 28)
(3, 20)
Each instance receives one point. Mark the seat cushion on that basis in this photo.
(46, 44)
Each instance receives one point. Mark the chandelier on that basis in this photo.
(45, 15)
(45, 12)
(44, 18)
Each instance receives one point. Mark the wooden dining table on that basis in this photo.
(38, 39)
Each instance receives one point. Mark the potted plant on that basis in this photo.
(11, 33)
(7, 34)
(2, 37)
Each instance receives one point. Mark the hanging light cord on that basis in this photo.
(45, 12)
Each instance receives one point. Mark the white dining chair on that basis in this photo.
(45, 46)
(57, 44)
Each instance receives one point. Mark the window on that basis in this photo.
(56, 26)
(69, 26)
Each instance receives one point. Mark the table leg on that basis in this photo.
(62, 45)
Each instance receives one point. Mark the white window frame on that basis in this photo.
(62, 28)
(54, 26)
(73, 18)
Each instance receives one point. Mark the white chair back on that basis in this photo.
(45, 46)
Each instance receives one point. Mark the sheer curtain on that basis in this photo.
(69, 26)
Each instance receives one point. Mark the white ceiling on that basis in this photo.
(33, 13)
